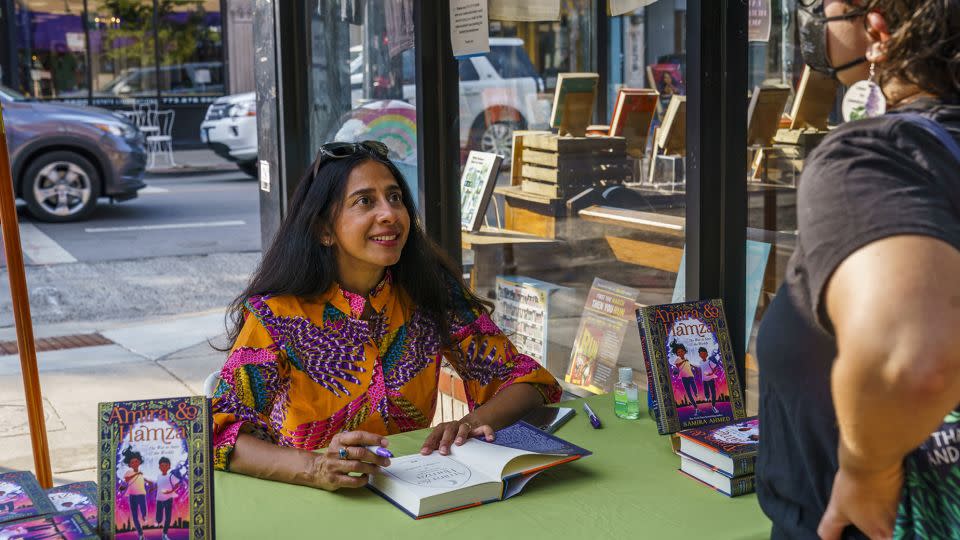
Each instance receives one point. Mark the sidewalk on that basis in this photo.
(144, 359)
(194, 161)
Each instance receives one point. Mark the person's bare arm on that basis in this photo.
(895, 308)
(262, 459)
(503, 409)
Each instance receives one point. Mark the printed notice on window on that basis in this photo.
(469, 28)
(758, 24)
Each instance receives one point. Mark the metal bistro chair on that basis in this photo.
(146, 117)
(162, 143)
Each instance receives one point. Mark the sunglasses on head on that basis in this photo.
(338, 150)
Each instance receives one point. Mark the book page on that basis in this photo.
(426, 476)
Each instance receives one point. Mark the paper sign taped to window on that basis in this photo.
(469, 28)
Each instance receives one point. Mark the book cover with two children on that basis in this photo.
(154, 469)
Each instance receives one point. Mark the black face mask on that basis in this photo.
(813, 37)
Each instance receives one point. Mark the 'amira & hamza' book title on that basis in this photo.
(691, 374)
(156, 462)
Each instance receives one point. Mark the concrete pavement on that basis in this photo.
(164, 357)
(193, 161)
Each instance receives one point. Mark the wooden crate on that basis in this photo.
(560, 167)
(532, 213)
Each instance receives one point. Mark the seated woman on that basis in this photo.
(339, 337)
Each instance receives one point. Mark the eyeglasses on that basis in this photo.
(338, 150)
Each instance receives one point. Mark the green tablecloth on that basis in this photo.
(628, 488)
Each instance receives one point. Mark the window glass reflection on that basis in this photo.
(363, 77)
(191, 48)
(51, 49)
(572, 214)
(123, 49)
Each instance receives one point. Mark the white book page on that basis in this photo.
(426, 476)
(499, 461)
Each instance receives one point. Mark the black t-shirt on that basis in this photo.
(867, 180)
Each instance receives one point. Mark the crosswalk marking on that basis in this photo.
(233, 223)
(40, 248)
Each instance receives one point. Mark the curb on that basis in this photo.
(192, 171)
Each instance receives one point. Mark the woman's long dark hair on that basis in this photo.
(298, 264)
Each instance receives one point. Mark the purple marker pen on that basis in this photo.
(594, 421)
(380, 451)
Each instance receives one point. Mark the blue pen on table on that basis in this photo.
(380, 451)
(594, 421)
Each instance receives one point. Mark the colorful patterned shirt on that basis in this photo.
(301, 372)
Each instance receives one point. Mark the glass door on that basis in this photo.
(363, 77)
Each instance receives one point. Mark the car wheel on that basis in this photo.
(496, 138)
(249, 168)
(60, 186)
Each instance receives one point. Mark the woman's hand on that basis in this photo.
(455, 432)
(865, 499)
(331, 470)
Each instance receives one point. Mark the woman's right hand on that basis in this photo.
(332, 472)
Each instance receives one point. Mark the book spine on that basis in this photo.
(744, 465)
(742, 486)
(651, 387)
(666, 415)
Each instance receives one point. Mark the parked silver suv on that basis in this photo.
(65, 157)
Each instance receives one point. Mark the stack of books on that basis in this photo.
(28, 511)
(722, 456)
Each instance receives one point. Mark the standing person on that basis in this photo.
(708, 369)
(136, 488)
(849, 382)
(686, 374)
(339, 337)
(166, 493)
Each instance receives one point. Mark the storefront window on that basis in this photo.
(363, 77)
(51, 49)
(788, 115)
(191, 48)
(575, 215)
(123, 54)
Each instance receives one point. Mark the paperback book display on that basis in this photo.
(22, 497)
(691, 375)
(69, 525)
(606, 316)
(80, 496)
(28, 512)
(476, 187)
(632, 115)
(573, 103)
(523, 309)
(722, 456)
(156, 461)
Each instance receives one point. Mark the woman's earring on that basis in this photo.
(864, 99)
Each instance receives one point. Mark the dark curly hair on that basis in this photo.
(924, 46)
(129, 454)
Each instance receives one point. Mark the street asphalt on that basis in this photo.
(152, 276)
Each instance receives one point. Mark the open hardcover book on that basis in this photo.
(476, 473)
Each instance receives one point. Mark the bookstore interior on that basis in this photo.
(575, 181)
(572, 159)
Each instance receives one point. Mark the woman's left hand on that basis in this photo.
(865, 499)
(455, 432)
